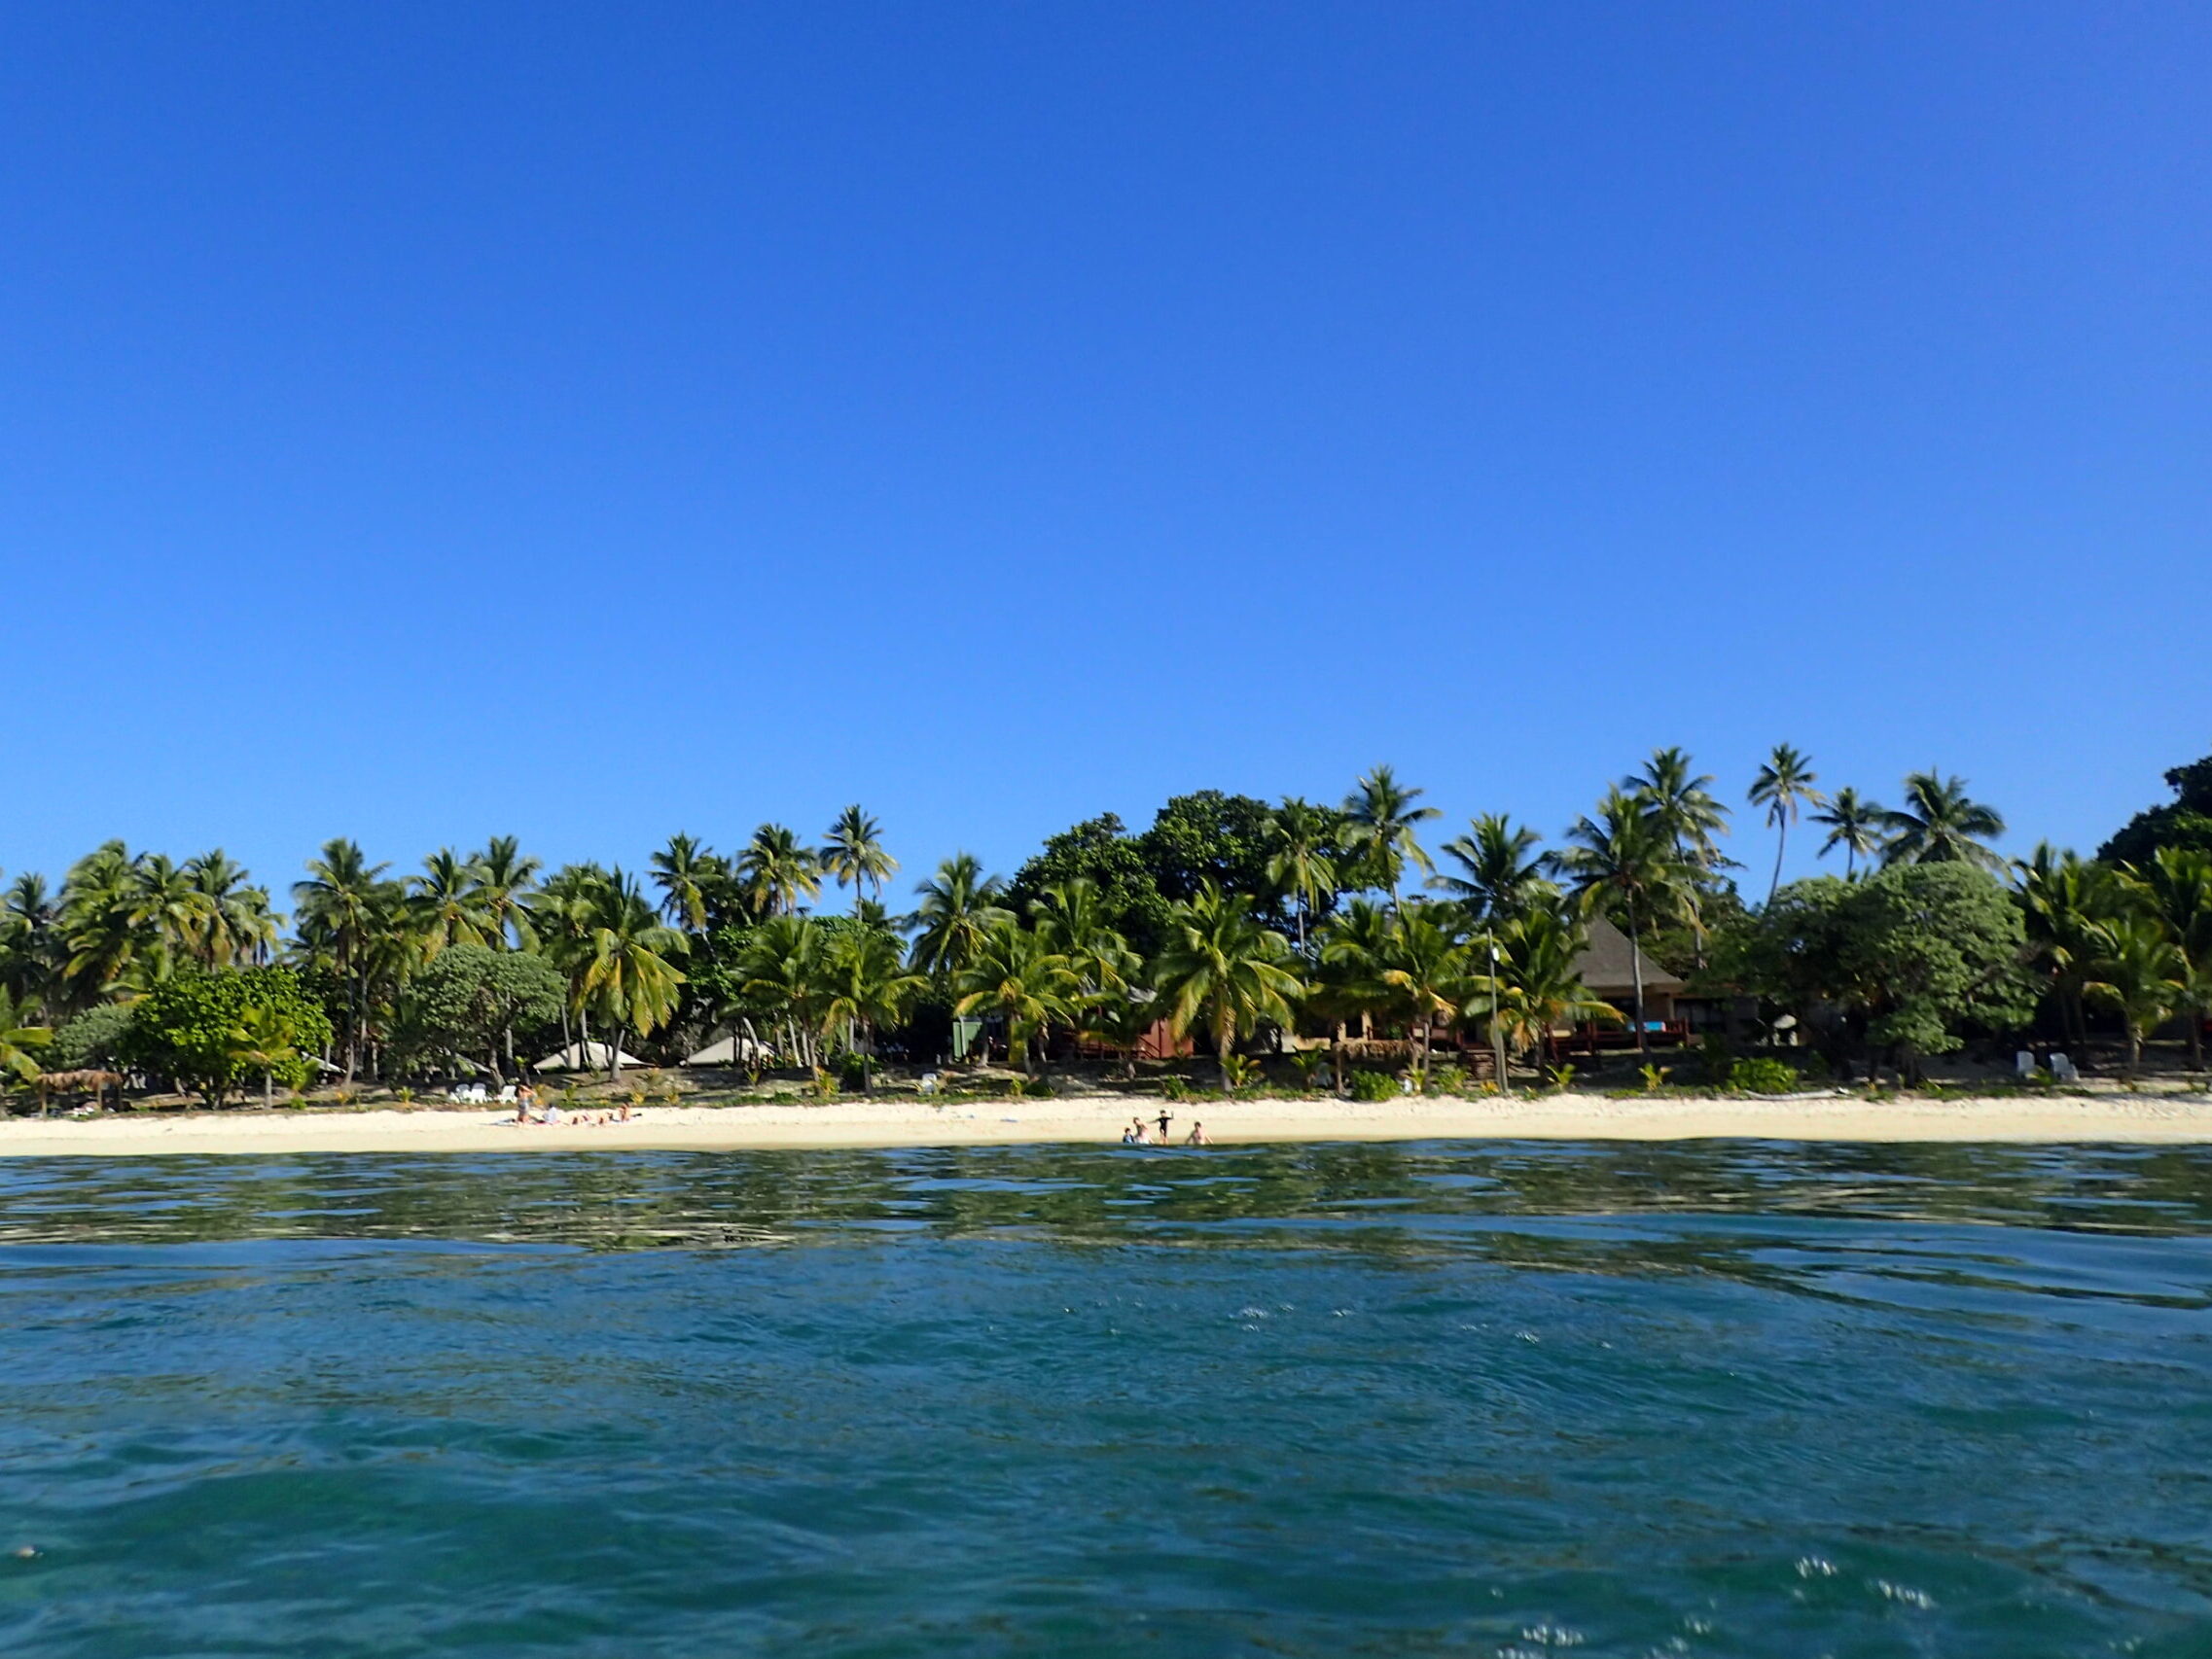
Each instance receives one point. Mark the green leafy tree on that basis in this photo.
(1212, 837)
(2186, 821)
(1784, 787)
(1939, 824)
(470, 1000)
(2178, 882)
(1098, 851)
(96, 1039)
(211, 1030)
(1226, 972)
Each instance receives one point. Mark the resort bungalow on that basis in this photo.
(1608, 969)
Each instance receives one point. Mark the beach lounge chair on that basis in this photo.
(2023, 1063)
(507, 1095)
(2062, 1068)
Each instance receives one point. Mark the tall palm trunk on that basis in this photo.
(1781, 840)
(1636, 968)
(615, 1056)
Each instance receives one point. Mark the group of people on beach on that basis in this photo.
(1137, 1135)
(551, 1115)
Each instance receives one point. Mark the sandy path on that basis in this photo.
(1100, 1118)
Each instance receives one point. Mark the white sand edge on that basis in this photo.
(1099, 1119)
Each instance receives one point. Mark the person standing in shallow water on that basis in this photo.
(1165, 1118)
(1197, 1136)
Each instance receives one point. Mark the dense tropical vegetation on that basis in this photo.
(1228, 925)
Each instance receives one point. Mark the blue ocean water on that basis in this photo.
(1719, 1399)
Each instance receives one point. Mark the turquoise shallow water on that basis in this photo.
(1690, 1399)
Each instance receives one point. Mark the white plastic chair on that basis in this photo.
(2023, 1063)
(507, 1095)
(2062, 1068)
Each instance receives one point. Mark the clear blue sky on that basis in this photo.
(426, 421)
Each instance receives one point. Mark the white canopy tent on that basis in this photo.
(736, 1050)
(591, 1056)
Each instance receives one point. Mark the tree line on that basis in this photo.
(1225, 920)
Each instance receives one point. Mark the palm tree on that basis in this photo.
(1784, 784)
(21, 1037)
(1538, 988)
(2179, 883)
(503, 880)
(31, 951)
(685, 871)
(1625, 856)
(854, 854)
(1300, 838)
(781, 972)
(1382, 816)
(629, 976)
(1939, 825)
(866, 985)
(2063, 899)
(2138, 973)
(959, 905)
(173, 913)
(1427, 972)
(265, 1039)
(1226, 969)
(1681, 799)
(775, 873)
(236, 924)
(101, 928)
(346, 909)
(447, 902)
(1855, 825)
(1356, 944)
(1017, 974)
(1503, 879)
(1070, 918)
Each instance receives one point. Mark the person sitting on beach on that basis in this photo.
(551, 1115)
(1197, 1136)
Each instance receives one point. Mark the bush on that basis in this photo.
(1444, 1080)
(98, 1040)
(1373, 1086)
(1764, 1076)
(1039, 1088)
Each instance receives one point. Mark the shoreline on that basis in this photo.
(1097, 1119)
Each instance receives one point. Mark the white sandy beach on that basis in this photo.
(1099, 1119)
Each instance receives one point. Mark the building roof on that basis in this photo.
(1608, 969)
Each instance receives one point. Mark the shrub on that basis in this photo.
(1655, 1077)
(1242, 1072)
(1444, 1080)
(1562, 1077)
(1038, 1088)
(98, 1040)
(1373, 1086)
(1175, 1088)
(1764, 1076)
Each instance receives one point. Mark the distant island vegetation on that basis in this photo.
(1231, 943)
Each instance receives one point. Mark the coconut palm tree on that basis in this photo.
(1940, 824)
(1302, 838)
(685, 871)
(1224, 969)
(1504, 875)
(629, 978)
(1625, 856)
(864, 986)
(234, 926)
(503, 878)
(1354, 944)
(959, 905)
(31, 949)
(853, 854)
(1783, 785)
(1070, 918)
(102, 929)
(775, 873)
(2064, 899)
(1854, 824)
(173, 913)
(346, 911)
(2137, 973)
(1017, 974)
(445, 902)
(1680, 801)
(1382, 818)
(2178, 884)
(780, 977)
(1538, 988)
(1427, 973)
(21, 1037)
